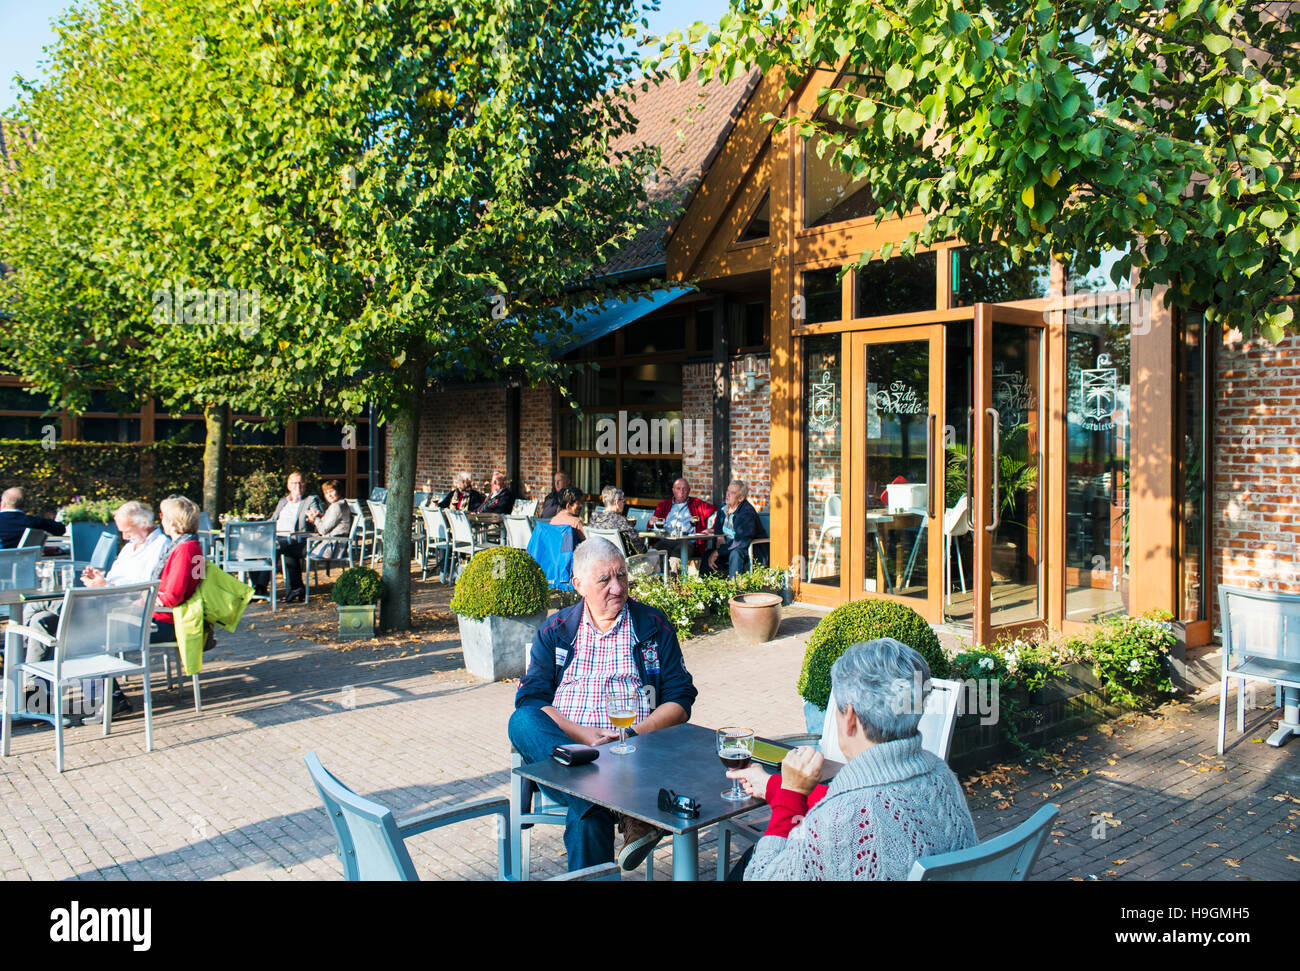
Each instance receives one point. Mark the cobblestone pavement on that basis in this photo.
(225, 794)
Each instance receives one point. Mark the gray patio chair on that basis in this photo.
(33, 538)
(18, 568)
(1261, 642)
(463, 544)
(372, 843)
(250, 548)
(638, 564)
(518, 528)
(97, 627)
(1007, 857)
(436, 538)
(378, 513)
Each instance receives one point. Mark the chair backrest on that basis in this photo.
(461, 533)
(84, 536)
(831, 516)
(377, 513)
(32, 537)
(205, 533)
(938, 720)
(640, 517)
(418, 498)
(519, 530)
(955, 522)
(18, 568)
(1007, 857)
(379, 494)
(766, 519)
(251, 541)
(435, 525)
(552, 548)
(103, 621)
(105, 553)
(524, 507)
(370, 846)
(1260, 624)
(613, 535)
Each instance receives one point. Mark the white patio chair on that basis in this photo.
(97, 627)
(524, 507)
(638, 564)
(250, 548)
(378, 513)
(955, 523)
(831, 525)
(766, 519)
(936, 727)
(463, 544)
(169, 650)
(1261, 642)
(436, 537)
(358, 513)
(1008, 857)
(519, 529)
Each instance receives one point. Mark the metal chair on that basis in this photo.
(519, 529)
(463, 544)
(1007, 857)
(205, 535)
(250, 548)
(640, 517)
(310, 560)
(378, 494)
(530, 806)
(167, 650)
(766, 540)
(84, 537)
(105, 553)
(1261, 642)
(372, 843)
(436, 537)
(18, 569)
(378, 518)
(33, 538)
(638, 564)
(97, 627)
(524, 507)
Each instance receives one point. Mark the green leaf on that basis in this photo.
(1216, 44)
(898, 77)
(1272, 218)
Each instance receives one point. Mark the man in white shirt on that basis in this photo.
(136, 560)
(291, 517)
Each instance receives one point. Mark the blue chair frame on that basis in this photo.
(1007, 857)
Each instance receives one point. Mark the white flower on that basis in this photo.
(1135, 665)
(986, 662)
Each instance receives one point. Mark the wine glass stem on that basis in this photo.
(622, 736)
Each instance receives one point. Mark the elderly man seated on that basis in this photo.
(14, 522)
(683, 514)
(551, 504)
(291, 517)
(602, 640)
(891, 804)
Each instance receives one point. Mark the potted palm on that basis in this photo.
(501, 599)
(357, 592)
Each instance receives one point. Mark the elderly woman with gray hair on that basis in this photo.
(891, 804)
(610, 516)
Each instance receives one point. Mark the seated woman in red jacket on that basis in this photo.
(181, 564)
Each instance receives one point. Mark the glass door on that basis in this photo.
(895, 478)
(1008, 485)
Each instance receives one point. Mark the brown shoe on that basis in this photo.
(639, 840)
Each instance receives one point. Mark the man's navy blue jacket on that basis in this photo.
(655, 650)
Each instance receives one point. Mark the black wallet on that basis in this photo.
(575, 754)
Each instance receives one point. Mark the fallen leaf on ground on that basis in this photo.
(1233, 863)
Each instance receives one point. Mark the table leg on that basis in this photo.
(1289, 725)
(686, 558)
(15, 706)
(686, 856)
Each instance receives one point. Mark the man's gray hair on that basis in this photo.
(137, 512)
(886, 682)
(744, 489)
(11, 498)
(611, 496)
(595, 551)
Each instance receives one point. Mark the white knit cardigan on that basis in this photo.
(894, 803)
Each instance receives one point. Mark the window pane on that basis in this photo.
(822, 295)
(649, 478)
(110, 430)
(655, 335)
(21, 399)
(580, 434)
(898, 286)
(822, 483)
(760, 222)
(320, 433)
(256, 435)
(830, 194)
(590, 475)
(28, 429)
(179, 430)
(652, 384)
(333, 462)
(987, 274)
(110, 402)
(1095, 279)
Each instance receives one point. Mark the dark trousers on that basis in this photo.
(588, 830)
(731, 562)
(292, 552)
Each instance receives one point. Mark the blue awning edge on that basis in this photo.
(597, 320)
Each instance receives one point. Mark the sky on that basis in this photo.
(25, 29)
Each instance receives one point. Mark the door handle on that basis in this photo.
(970, 471)
(997, 457)
(929, 450)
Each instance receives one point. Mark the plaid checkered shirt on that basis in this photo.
(600, 659)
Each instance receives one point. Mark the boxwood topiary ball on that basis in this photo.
(357, 586)
(864, 620)
(501, 582)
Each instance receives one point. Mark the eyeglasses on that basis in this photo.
(670, 802)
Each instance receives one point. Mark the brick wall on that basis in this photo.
(536, 441)
(697, 406)
(461, 430)
(1255, 537)
(751, 430)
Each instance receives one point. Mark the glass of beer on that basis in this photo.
(735, 748)
(620, 706)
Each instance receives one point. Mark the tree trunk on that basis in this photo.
(216, 419)
(403, 434)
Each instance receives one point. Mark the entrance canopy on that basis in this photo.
(597, 320)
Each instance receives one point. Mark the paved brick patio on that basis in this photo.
(225, 794)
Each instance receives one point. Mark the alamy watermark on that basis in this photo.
(656, 436)
(1107, 308)
(212, 307)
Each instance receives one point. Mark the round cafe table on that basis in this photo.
(686, 542)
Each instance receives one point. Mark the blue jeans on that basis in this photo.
(734, 561)
(588, 830)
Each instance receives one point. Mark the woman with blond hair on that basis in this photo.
(180, 568)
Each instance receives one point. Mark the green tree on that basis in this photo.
(1061, 127)
(415, 191)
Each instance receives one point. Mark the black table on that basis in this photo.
(683, 758)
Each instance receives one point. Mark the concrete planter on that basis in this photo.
(356, 623)
(497, 647)
(813, 718)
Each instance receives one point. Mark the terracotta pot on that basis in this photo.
(756, 615)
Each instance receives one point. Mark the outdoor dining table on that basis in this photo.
(683, 758)
(686, 541)
(485, 523)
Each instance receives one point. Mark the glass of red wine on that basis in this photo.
(735, 748)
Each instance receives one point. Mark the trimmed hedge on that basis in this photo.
(53, 477)
(864, 620)
(501, 582)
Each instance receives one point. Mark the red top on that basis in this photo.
(181, 576)
(788, 807)
(700, 512)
